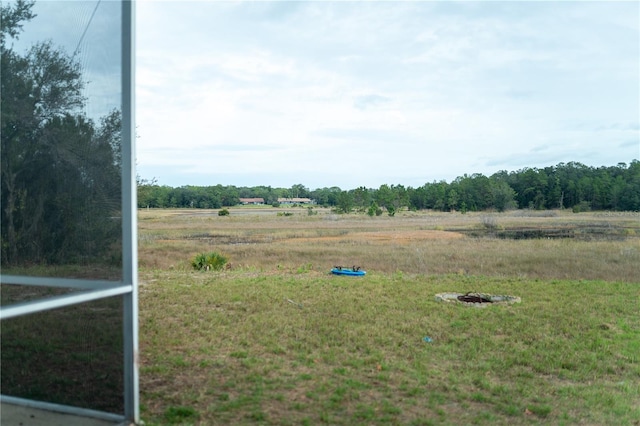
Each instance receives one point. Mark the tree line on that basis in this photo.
(564, 186)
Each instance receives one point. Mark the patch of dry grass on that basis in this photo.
(419, 243)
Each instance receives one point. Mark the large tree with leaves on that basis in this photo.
(60, 170)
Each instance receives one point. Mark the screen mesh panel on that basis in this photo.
(71, 356)
(12, 294)
(61, 140)
(61, 221)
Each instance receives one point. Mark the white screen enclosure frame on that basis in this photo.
(92, 290)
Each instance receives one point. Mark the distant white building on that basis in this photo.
(256, 201)
(295, 201)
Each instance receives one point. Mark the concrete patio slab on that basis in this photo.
(18, 415)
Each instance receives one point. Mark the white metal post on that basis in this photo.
(129, 217)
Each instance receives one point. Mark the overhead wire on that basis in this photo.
(86, 28)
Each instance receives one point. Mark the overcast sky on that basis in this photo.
(365, 93)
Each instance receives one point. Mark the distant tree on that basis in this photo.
(146, 192)
(321, 196)
(229, 196)
(401, 196)
(345, 202)
(374, 209)
(385, 197)
(452, 199)
(299, 191)
(503, 196)
(561, 186)
(361, 197)
(626, 187)
(327, 197)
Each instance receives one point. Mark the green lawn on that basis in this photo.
(303, 347)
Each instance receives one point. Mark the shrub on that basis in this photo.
(374, 209)
(583, 206)
(208, 261)
(223, 212)
(490, 223)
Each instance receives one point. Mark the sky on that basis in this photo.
(365, 93)
(91, 35)
(353, 94)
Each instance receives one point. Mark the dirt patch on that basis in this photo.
(477, 299)
(581, 232)
(383, 237)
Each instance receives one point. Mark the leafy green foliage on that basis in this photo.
(345, 202)
(392, 198)
(223, 212)
(581, 207)
(209, 261)
(374, 210)
(60, 174)
(562, 186)
(13, 18)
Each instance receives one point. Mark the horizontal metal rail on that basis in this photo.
(39, 305)
(58, 282)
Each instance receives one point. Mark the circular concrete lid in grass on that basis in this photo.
(480, 300)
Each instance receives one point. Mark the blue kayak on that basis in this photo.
(354, 272)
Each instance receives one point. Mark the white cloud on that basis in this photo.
(356, 93)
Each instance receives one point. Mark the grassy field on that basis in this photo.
(275, 339)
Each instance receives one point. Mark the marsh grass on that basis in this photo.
(421, 243)
(277, 340)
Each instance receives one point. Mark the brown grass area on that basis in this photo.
(278, 340)
(385, 237)
(411, 242)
